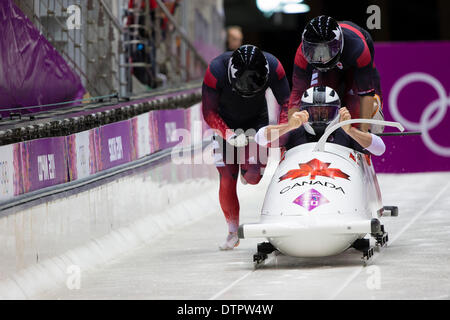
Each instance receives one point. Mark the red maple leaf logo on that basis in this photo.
(314, 168)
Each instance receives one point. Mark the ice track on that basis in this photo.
(186, 263)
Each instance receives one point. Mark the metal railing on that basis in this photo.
(91, 49)
(165, 42)
(101, 113)
(119, 49)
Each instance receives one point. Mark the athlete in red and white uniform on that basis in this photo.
(233, 97)
(340, 56)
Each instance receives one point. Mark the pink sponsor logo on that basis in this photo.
(311, 199)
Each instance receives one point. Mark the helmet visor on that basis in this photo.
(321, 114)
(250, 83)
(321, 53)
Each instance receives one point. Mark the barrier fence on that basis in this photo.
(32, 165)
(98, 47)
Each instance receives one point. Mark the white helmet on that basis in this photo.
(322, 104)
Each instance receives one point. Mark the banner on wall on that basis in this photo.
(145, 135)
(195, 123)
(36, 164)
(9, 164)
(81, 155)
(113, 144)
(43, 163)
(168, 121)
(141, 135)
(416, 93)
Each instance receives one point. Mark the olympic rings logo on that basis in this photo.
(425, 124)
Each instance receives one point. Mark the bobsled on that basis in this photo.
(323, 199)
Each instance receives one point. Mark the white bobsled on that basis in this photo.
(323, 199)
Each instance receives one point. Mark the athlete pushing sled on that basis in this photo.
(339, 55)
(233, 97)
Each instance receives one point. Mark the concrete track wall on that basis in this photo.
(42, 246)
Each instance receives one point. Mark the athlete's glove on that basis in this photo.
(238, 141)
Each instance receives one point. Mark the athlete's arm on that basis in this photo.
(301, 80)
(368, 141)
(268, 134)
(210, 104)
(362, 59)
(366, 104)
(280, 88)
(365, 87)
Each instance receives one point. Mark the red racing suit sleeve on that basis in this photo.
(301, 79)
(362, 60)
(280, 88)
(210, 104)
(364, 79)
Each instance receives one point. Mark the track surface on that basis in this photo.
(186, 264)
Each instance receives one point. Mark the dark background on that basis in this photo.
(401, 20)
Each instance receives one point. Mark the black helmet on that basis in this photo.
(322, 104)
(248, 71)
(322, 42)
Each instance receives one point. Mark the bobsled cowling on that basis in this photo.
(321, 199)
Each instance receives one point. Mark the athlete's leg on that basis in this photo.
(228, 195)
(252, 173)
(256, 157)
(229, 203)
(228, 174)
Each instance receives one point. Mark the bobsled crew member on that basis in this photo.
(339, 55)
(233, 97)
(320, 107)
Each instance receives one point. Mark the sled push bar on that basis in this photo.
(395, 134)
(321, 143)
